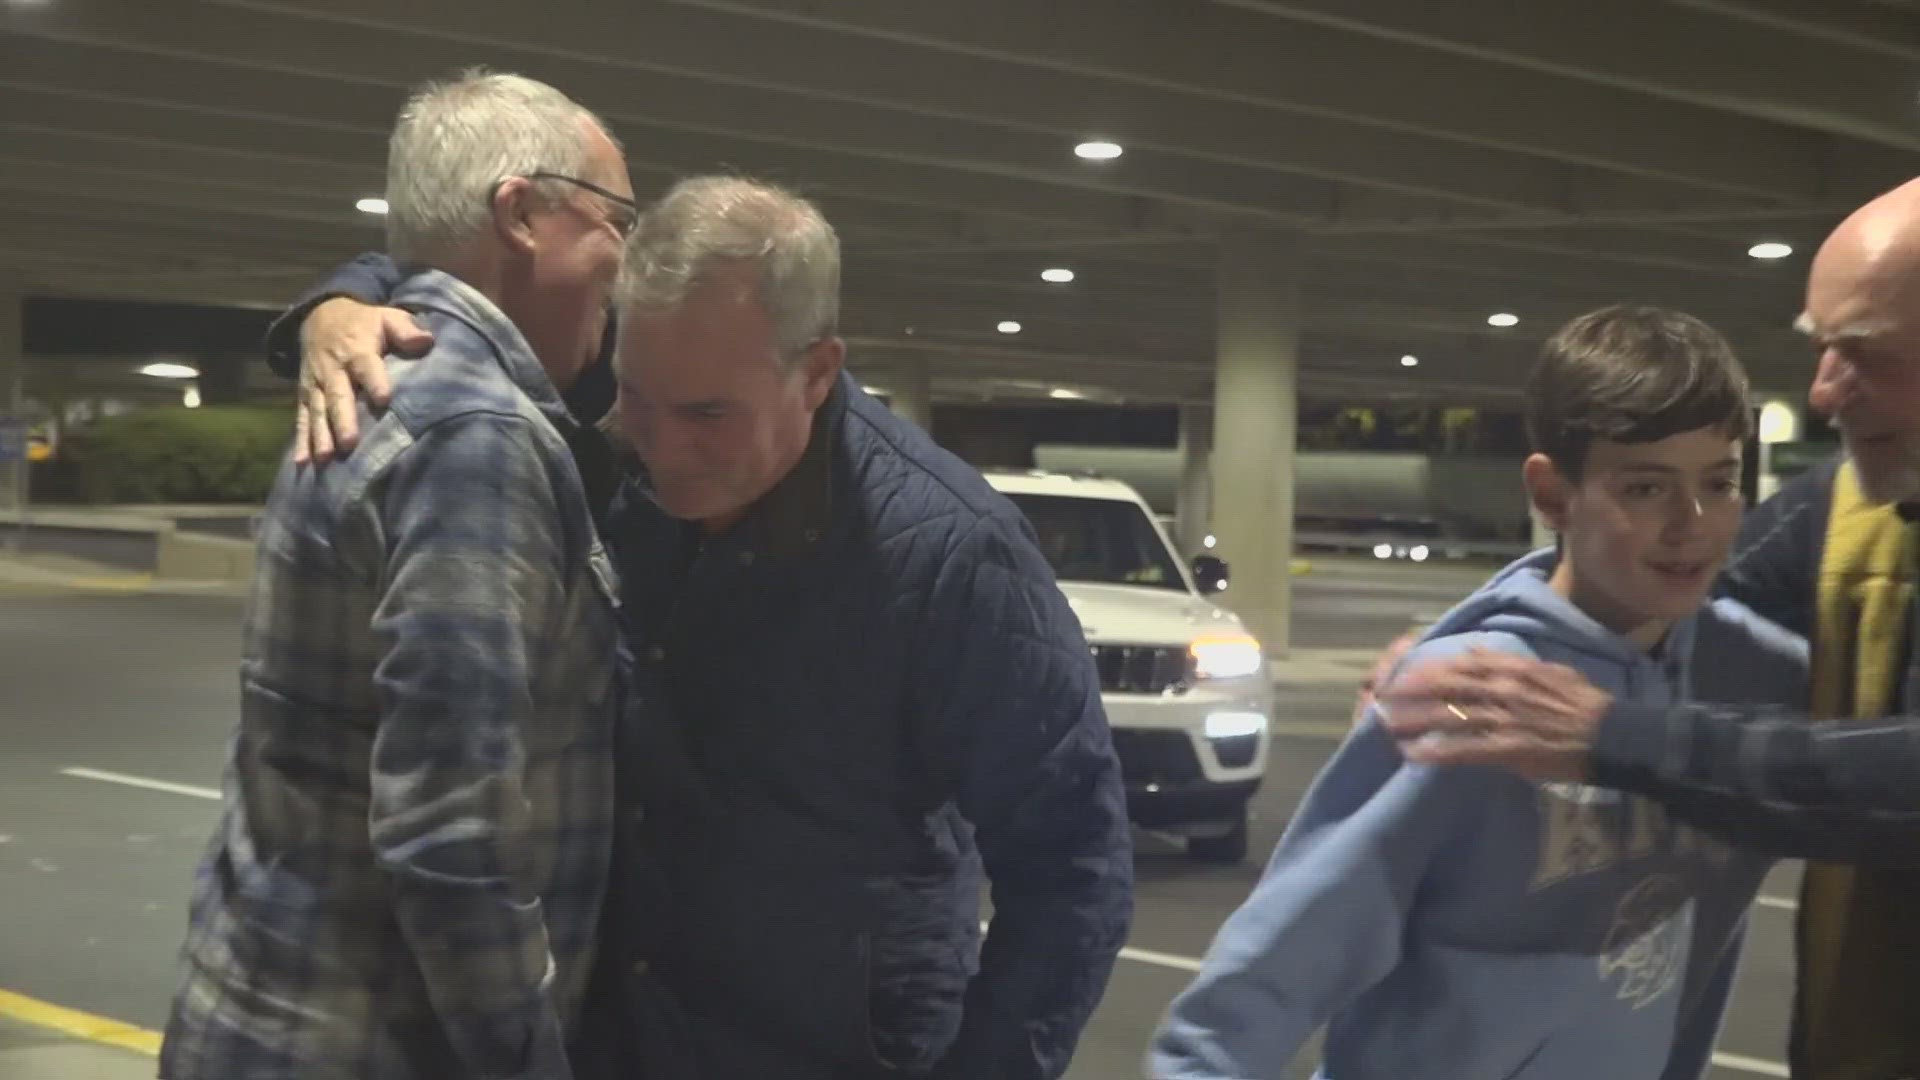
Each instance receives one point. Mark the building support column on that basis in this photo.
(1782, 420)
(1193, 509)
(13, 373)
(910, 391)
(1255, 416)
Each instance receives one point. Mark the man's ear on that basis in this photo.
(1548, 489)
(820, 365)
(512, 205)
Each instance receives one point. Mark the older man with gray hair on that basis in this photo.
(857, 692)
(410, 869)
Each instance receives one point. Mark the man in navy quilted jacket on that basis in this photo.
(857, 690)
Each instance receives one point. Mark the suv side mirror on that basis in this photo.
(1210, 572)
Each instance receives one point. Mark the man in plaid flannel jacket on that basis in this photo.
(408, 876)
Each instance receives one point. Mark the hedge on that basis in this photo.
(217, 454)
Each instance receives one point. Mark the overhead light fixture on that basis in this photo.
(873, 391)
(371, 206)
(1064, 394)
(1409, 360)
(1099, 150)
(1009, 327)
(165, 370)
(1503, 318)
(191, 397)
(1057, 275)
(1771, 249)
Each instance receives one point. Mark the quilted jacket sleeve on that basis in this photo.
(1019, 725)
(369, 278)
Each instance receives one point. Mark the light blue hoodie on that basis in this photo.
(1465, 924)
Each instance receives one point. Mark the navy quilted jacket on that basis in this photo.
(844, 712)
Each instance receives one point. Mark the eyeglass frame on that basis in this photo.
(627, 203)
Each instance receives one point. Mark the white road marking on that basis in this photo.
(1756, 1066)
(1160, 959)
(124, 780)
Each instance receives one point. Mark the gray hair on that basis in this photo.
(712, 223)
(455, 140)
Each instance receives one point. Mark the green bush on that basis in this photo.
(218, 454)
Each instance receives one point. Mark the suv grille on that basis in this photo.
(1155, 757)
(1140, 669)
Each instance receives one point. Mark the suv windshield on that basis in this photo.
(1100, 540)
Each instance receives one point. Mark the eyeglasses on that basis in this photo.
(623, 225)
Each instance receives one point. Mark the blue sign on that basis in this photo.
(13, 439)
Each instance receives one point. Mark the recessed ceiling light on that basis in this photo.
(371, 206)
(1099, 150)
(164, 370)
(1409, 361)
(1009, 327)
(1772, 249)
(1065, 394)
(1503, 318)
(1058, 275)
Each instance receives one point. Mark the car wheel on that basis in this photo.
(1229, 847)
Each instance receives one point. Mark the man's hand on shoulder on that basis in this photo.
(1382, 668)
(343, 347)
(1535, 718)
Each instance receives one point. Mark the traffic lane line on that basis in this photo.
(1190, 964)
(78, 1025)
(148, 783)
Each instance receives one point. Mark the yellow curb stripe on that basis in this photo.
(126, 583)
(79, 1025)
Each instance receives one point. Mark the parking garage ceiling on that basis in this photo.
(1445, 162)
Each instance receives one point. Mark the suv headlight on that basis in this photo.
(1226, 656)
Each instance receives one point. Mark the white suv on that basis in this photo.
(1186, 687)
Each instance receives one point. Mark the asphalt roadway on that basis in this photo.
(116, 709)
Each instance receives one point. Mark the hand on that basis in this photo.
(1486, 708)
(343, 345)
(1381, 669)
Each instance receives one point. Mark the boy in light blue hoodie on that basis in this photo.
(1465, 924)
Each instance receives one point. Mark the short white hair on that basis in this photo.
(716, 223)
(456, 139)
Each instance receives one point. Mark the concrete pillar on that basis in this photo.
(1782, 420)
(13, 397)
(1193, 505)
(1255, 413)
(910, 391)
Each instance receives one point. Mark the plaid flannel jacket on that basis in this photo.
(1770, 778)
(419, 799)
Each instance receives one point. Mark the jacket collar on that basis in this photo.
(439, 291)
(792, 519)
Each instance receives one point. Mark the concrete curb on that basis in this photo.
(20, 575)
